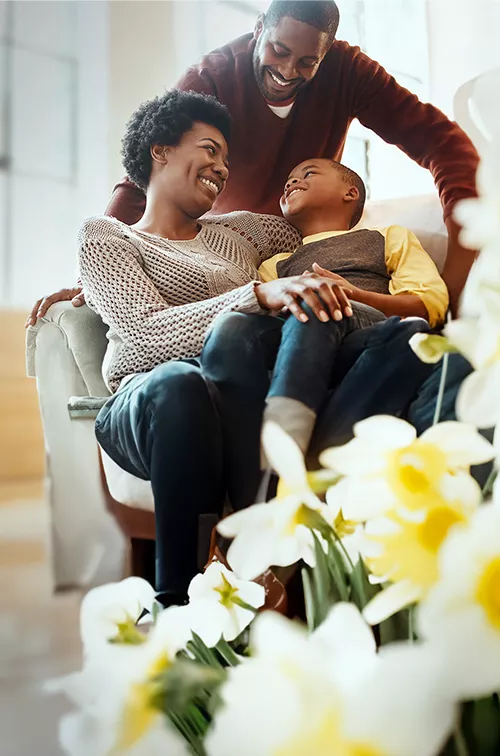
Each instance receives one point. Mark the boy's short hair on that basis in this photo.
(352, 178)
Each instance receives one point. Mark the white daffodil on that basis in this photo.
(480, 217)
(461, 614)
(386, 466)
(116, 694)
(403, 551)
(81, 734)
(481, 295)
(486, 107)
(277, 532)
(288, 701)
(479, 341)
(109, 613)
(430, 347)
(229, 604)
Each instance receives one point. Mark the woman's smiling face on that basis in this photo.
(193, 173)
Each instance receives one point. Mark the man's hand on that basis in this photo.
(325, 297)
(63, 295)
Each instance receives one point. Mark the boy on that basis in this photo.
(385, 272)
(385, 268)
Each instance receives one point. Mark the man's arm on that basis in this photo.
(426, 135)
(458, 263)
(127, 202)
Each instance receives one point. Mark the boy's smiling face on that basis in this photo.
(313, 185)
(322, 195)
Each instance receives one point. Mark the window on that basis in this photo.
(49, 92)
(393, 32)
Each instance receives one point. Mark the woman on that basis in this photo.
(159, 285)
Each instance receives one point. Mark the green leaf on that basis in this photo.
(202, 653)
(361, 588)
(321, 581)
(481, 726)
(337, 569)
(227, 653)
(186, 680)
(309, 599)
(395, 628)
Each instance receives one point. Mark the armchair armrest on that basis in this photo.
(83, 333)
(85, 406)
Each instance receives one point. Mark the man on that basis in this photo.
(293, 90)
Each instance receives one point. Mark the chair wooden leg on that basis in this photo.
(141, 559)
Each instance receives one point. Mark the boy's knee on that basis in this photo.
(400, 331)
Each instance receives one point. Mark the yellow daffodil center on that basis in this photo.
(409, 551)
(414, 473)
(488, 592)
(434, 529)
(308, 517)
(227, 592)
(325, 740)
(344, 527)
(322, 741)
(128, 633)
(140, 710)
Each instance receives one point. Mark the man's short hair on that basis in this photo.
(164, 121)
(323, 15)
(351, 177)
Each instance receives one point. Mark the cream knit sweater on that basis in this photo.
(160, 297)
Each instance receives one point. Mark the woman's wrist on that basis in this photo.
(257, 290)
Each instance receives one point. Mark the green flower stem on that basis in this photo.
(411, 622)
(227, 653)
(442, 384)
(343, 549)
(243, 604)
(460, 742)
(488, 486)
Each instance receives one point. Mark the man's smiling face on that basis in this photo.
(286, 57)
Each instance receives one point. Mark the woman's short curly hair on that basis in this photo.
(164, 120)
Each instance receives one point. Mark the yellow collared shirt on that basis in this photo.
(411, 269)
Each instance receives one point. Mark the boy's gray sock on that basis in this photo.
(294, 417)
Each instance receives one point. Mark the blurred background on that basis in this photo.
(71, 73)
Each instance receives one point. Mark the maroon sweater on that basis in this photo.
(348, 84)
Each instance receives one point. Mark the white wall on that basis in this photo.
(464, 41)
(141, 63)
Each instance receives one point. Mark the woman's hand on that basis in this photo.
(326, 298)
(63, 295)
